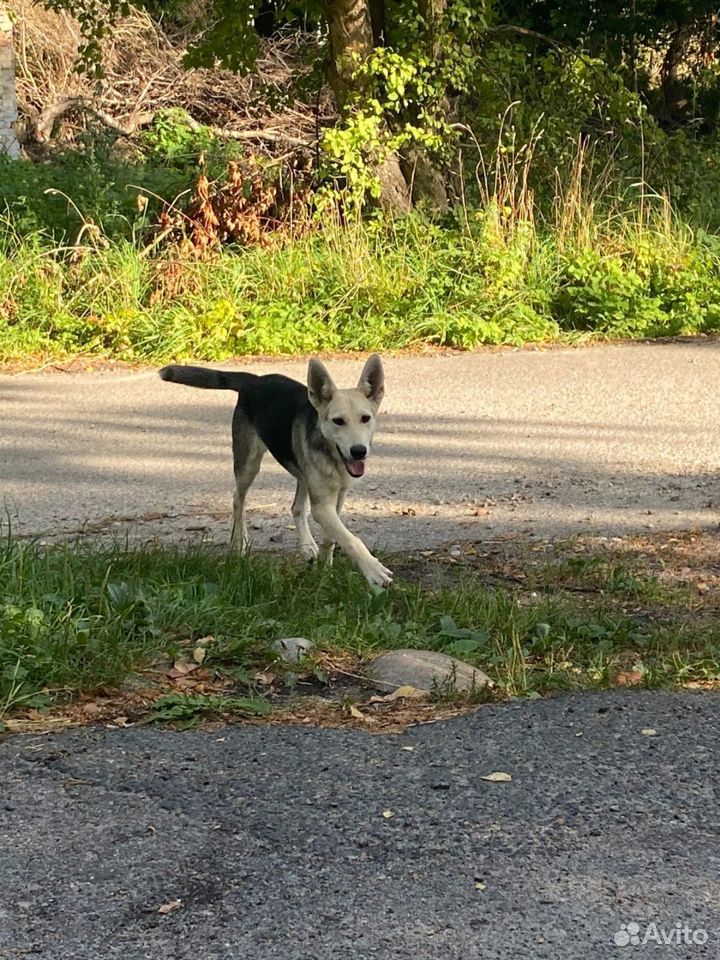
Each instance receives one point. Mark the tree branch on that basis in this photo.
(55, 111)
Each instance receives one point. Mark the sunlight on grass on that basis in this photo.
(82, 618)
(605, 259)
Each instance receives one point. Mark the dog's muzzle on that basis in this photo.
(355, 463)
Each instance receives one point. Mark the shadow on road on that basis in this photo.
(432, 476)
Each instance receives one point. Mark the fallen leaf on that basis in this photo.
(22, 726)
(407, 693)
(388, 814)
(204, 641)
(181, 668)
(479, 885)
(648, 732)
(628, 678)
(266, 678)
(199, 654)
(497, 777)
(91, 709)
(402, 693)
(407, 748)
(170, 907)
(354, 712)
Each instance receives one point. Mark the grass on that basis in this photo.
(599, 263)
(83, 618)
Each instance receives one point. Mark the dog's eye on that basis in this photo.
(338, 421)
(365, 418)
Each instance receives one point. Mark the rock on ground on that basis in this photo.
(425, 670)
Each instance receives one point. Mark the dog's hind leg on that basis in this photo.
(306, 541)
(327, 550)
(248, 451)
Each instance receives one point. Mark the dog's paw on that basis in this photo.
(327, 554)
(309, 551)
(376, 574)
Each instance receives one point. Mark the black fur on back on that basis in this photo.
(271, 404)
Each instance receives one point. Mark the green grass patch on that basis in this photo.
(185, 710)
(82, 618)
(599, 261)
(361, 287)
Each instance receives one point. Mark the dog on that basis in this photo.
(318, 433)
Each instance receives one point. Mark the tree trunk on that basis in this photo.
(427, 181)
(352, 42)
(669, 72)
(8, 99)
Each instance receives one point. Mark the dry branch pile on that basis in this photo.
(144, 73)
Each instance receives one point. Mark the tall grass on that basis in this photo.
(601, 258)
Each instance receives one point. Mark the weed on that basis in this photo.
(616, 264)
(187, 710)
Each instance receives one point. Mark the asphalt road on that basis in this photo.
(612, 439)
(276, 843)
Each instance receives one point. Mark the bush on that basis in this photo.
(97, 184)
(640, 294)
(364, 286)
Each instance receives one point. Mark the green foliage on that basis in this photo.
(186, 710)
(399, 99)
(83, 617)
(175, 141)
(367, 286)
(580, 77)
(93, 185)
(644, 295)
(59, 198)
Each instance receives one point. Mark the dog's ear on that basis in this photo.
(320, 385)
(372, 380)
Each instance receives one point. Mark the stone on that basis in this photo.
(292, 649)
(424, 670)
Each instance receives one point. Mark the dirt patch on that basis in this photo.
(677, 570)
(330, 694)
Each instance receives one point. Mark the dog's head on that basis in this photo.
(347, 417)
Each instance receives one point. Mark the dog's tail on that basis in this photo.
(205, 377)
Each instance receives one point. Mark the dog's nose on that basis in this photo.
(358, 452)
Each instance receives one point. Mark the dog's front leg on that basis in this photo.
(325, 513)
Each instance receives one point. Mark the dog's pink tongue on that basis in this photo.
(356, 468)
